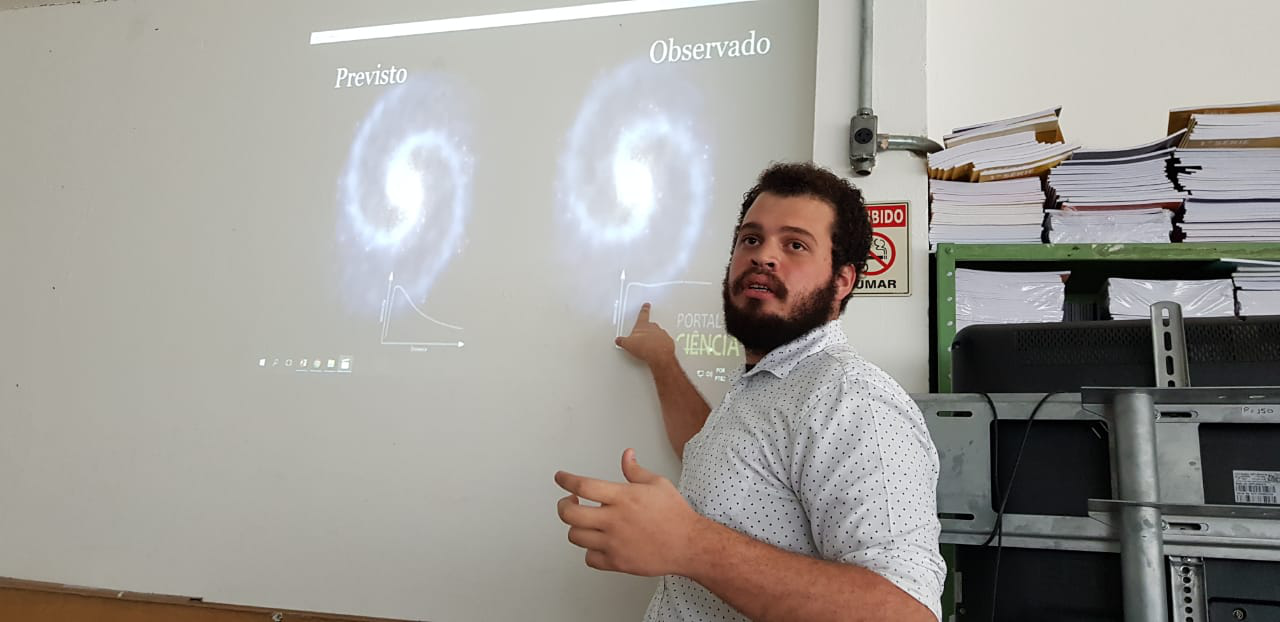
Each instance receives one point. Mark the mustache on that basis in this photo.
(772, 281)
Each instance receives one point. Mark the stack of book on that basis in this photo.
(1234, 194)
(987, 297)
(997, 212)
(1229, 163)
(1237, 125)
(1258, 287)
(1131, 299)
(1115, 195)
(1024, 146)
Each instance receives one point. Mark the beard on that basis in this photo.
(761, 332)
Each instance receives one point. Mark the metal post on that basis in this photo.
(1186, 589)
(1141, 541)
(1169, 345)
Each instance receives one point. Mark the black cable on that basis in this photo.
(997, 530)
(1002, 498)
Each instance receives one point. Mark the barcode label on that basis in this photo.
(1261, 487)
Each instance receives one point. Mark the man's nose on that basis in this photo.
(765, 258)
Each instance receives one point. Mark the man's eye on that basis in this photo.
(798, 246)
(749, 240)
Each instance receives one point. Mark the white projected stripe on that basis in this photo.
(516, 18)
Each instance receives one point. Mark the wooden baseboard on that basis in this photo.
(35, 601)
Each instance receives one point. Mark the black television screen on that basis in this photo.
(1065, 356)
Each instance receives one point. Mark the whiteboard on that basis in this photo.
(276, 335)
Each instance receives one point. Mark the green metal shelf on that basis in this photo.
(948, 256)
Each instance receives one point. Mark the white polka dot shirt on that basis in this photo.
(816, 451)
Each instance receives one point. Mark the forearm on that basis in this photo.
(684, 410)
(768, 584)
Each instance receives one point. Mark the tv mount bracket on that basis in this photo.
(1159, 521)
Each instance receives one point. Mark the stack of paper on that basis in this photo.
(1234, 194)
(1148, 225)
(1258, 287)
(1229, 163)
(1248, 129)
(1023, 146)
(985, 297)
(1226, 125)
(1230, 174)
(1231, 221)
(1010, 211)
(1123, 192)
(1130, 299)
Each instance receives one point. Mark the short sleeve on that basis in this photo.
(866, 473)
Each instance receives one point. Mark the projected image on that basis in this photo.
(633, 294)
(690, 311)
(413, 328)
(633, 183)
(404, 199)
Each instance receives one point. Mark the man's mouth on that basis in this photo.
(760, 286)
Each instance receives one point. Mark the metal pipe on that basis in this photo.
(915, 144)
(863, 125)
(864, 142)
(1142, 562)
(868, 57)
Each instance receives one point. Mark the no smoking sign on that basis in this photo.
(887, 272)
(882, 254)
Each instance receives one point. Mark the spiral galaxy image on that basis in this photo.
(404, 196)
(634, 180)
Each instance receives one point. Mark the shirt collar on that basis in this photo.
(781, 360)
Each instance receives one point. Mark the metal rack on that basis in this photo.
(1158, 521)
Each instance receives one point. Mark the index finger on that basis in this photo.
(597, 490)
(643, 316)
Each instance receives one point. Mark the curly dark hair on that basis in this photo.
(851, 231)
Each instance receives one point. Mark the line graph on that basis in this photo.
(621, 308)
(395, 292)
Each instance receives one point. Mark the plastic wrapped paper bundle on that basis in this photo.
(990, 297)
(1148, 225)
(1131, 299)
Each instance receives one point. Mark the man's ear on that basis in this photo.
(845, 278)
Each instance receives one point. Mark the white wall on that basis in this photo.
(1116, 66)
(891, 331)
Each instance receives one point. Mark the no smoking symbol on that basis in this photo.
(880, 257)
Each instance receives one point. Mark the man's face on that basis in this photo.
(780, 283)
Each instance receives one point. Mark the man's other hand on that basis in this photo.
(642, 527)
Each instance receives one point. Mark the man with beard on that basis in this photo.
(809, 493)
